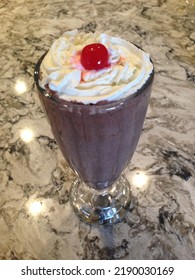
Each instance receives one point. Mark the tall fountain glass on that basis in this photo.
(98, 142)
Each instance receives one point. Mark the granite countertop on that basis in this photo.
(36, 220)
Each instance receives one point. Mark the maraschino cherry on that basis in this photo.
(94, 57)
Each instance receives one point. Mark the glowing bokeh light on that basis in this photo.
(140, 179)
(35, 208)
(26, 135)
(20, 87)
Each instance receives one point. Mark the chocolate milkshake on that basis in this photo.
(95, 90)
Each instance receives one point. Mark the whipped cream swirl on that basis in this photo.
(129, 69)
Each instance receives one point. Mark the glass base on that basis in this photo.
(107, 206)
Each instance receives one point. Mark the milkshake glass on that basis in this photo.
(98, 141)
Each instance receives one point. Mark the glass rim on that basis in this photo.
(107, 103)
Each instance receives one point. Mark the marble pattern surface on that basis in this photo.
(36, 220)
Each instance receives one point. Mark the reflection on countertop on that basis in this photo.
(36, 220)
